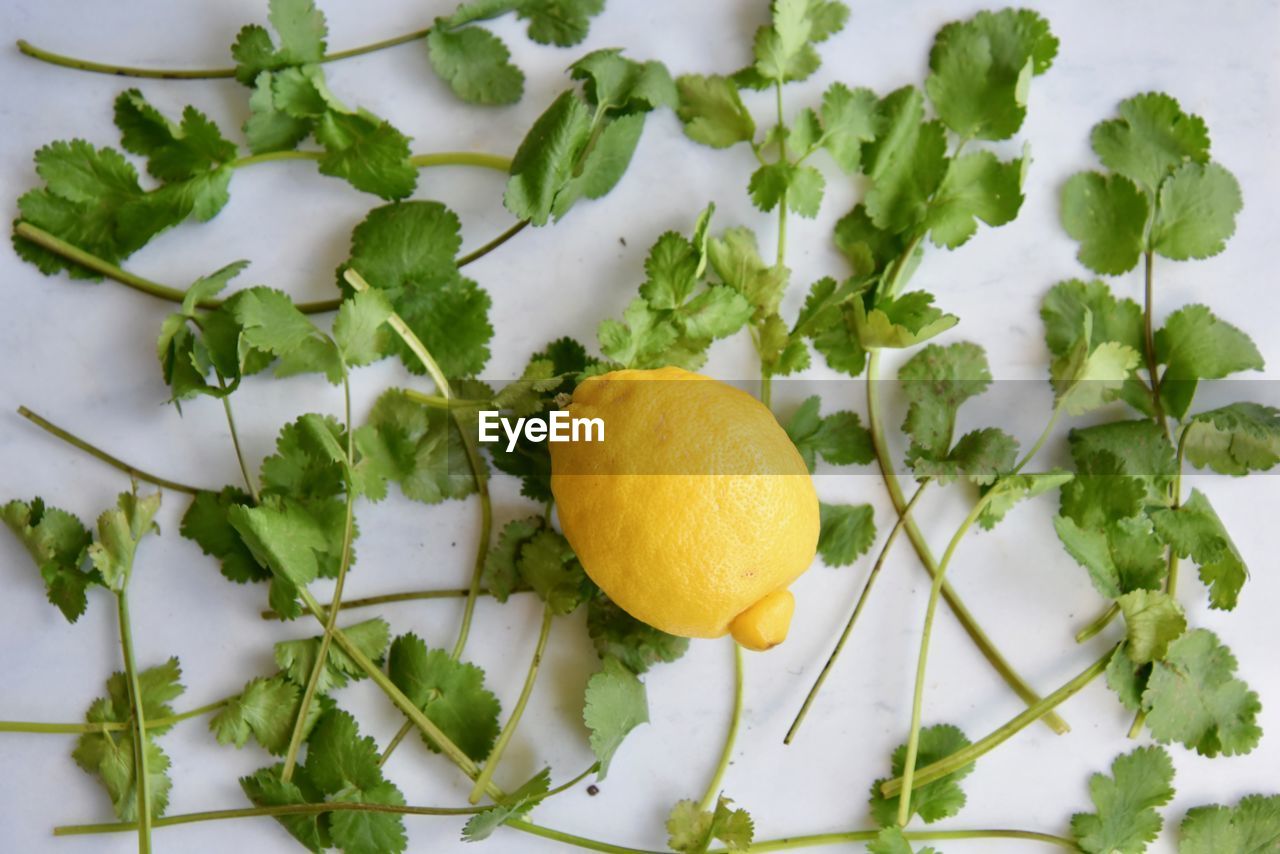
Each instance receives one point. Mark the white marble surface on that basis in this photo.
(82, 354)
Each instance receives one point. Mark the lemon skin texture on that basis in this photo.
(695, 513)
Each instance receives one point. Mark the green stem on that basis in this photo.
(857, 611)
(735, 718)
(253, 812)
(76, 729)
(196, 74)
(577, 841)
(114, 462)
(477, 254)
(1104, 619)
(335, 604)
(496, 162)
(766, 388)
(963, 615)
(912, 835)
(235, 443)
(411, 596)
(1039, 443)
(922, 663)
(398, 697)
(504, 737)
(439, 401)
(138, 714)
(1149, 341)
(401, 734)
(968, 755)
(1175, 490)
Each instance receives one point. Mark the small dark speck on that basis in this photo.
(622, 240)
(593, 790)
(453, 545)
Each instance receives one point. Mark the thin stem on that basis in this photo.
(1104, 619)
(1039, 443)
(853, 618)
(235, 443)
(496, 162)
(577, 841)
(108, 726)
(504, 737)
(253, 812)
(968, 755)
(439, 401)
(481, 478)
(922, 663)
(1139, 720)
(114, 462)
(477, 254)
(411, 596)
(1149, 340)
(766, 389)
(358, 283)
(196, 74)
(963, 615)
(735, 718)
(570, 783)
(401, 734)
(912, 835)
(1175, 490)
(335, 605)
(398, 697)
(138, 714)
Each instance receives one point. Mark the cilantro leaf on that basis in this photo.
(1194, 530)
(1107, 214)
(735, 258)
(265, 709)
(900, 322)
(1010, 490)
(847, 531)
(112, 755)
(981, 455)
(1194, 698)
(1234, 439)
(827, 320)
(207, 523)
(476, 64)
(612, 81)
(1194, 345)
(367, 152)
(359, 329)
(1151, 138)
(264, 788)
(501, 565)
(1250, 827)
(548, 565)
(58, 542)
(545, 160)
(892, 840)
(784, 49)
(1067, 304)
(559, 22)
(692, 829)
(1084, 379)
(934, 801)
(981, 68)
(617, 634)
(615, 704)
(712, 111)
(269, 322)
(905, 162)
(173, 152)
(839, 438)
(338, 757)
(976, 187)
(1126, 820)
(269, 126)
(515, 805)
(119, 532)
(1153, 619)
(1197, 212)
(935, 382)
(1121, 555)
(297, 658)
(450, 693)
(848, 121)
(302, 30)
(368, 832)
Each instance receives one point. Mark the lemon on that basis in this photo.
(695, 513)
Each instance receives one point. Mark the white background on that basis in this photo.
(82, 354)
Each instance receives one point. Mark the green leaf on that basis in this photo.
(119, 532)
(1010, 490)
(269, 127)
(1068, 303)
(559, 22)
(359, 328)
(848, 121)
(977, 186)
(712, 112)
(501, 566)
(891, 840)
(615, 704)
(548, 565)
(692, 829)
(900, 322)
(338, 757)
(839, 438)
(173, 152)
(980, 455)
(366, 152)
(301, 27)
(1086, 378)
(616, 634)
(1151, 138)
(1107, 214)
(1234, 439)
(612, 81)
(367, 832)
(934, 801)
(784, 50)
(271, 323)
(1194, 698)
(868, 248)
(514, 806)
(1122, 555)
(847, 531)
(1126, 820)
(905, 162)
(545, 160)
(297, 658)
(604, 163)
(1197, 212)
(672, 271)
(935, 382)
(265, 709)
(476, 64)
(450, 693)
(1137, 448)
(264, 788)
(1153, 619)
(828, 321)
(58, 543)
(735, 257)
(1196, 345)
(1194, 531)
(1250, 827)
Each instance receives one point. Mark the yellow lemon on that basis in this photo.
(695, 513)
